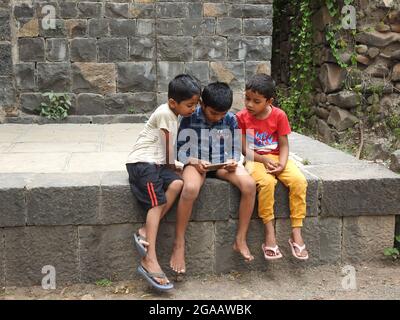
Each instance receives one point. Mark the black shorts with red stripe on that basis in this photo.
(149, 182)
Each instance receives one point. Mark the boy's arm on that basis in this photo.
(169, 147)
(283, 155)
(254, 156)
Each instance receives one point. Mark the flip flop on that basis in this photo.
(150, 278)
(138, 240)
(294, 245)
(275, 250)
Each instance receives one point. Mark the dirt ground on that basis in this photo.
(317, 283)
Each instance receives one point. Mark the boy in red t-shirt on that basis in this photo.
(265, 144)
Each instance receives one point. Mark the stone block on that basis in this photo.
(166, 72)
(171, 10)
(136, 77)
(210, 48)
(142, 10)
(341, 119)
(169, 27)
(57, 50)
(229, 26)
(123, 103)
(357, 189)
(107, 252)
(365, 238)
(68, 10)
(117, 10)
(113, 49)
(98, 28)
(257, 27)
(7, 92)
(27, 28)
(63, 199)
(254, 67)
(29, 249)
(250, 48)
(142, 48)
(145, 27)
(331, 77)
(94, 78)
(122, 27)
(200, 70)
(25, 79)
(76, 27)
(89, 9)
(210, 205)
(251, 11)
(83, 50)
(31, 49)
(54, 76)
(330, 236)
(5, 31)
(118, 204)
(198, 27)
(230, 72)
(2, 260)
(12, 199)
(215, 9)
(200, 247)
(23, 10)
(174, 48)
(58, 32)
(226, 259)
(5, 60)
(90, 104)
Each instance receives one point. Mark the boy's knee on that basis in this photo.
(267, 183)
(190, 191)
(176, 185)
(299, 183)
(248, 186)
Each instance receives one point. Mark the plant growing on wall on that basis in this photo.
(57, 106)
(296, 100)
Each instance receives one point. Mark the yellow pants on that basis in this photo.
(292, 178)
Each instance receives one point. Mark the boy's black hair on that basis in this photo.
(217, 95)
(262, 84)
(183, 87)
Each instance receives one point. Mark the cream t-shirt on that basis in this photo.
(150, 146)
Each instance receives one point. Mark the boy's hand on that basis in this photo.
(269, 164)
(200, 165)
(231, 167)
(278, 169)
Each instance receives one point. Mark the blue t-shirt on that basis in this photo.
(214, 142)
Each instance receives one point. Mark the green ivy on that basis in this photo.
(57, 108)
(297, 100)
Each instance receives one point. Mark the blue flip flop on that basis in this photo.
(137, 238)
(149, 276)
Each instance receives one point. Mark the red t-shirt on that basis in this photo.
(263, 135)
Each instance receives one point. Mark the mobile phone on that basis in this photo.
(216, 166)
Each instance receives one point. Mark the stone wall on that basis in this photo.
(117, 57)
(357, 107)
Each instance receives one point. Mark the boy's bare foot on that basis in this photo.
(177, 261)
(142, 232)
(243, 249)
(297, 238)
(152, 266)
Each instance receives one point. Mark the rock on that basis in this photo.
(331, 77)
(94, 78)
(324, 131)
(57, 49)
(378, 85)
(373, 52)
(376, 151)
(395, 55)
(345, 57)
(54, 76)
(363, 59)
(321, 113)
(83, 50)
(76, 28)
(229, 72)
(321, 18)
(378, 69)
(143, 81)
(29, 28)
(31, 49)
(344, 99)
(361, 48)
(395, 161)
(394, 17)
(341, 119)
(396, 72)
(381, 27)
(90, 104)
(395, 27)
(378, 39)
